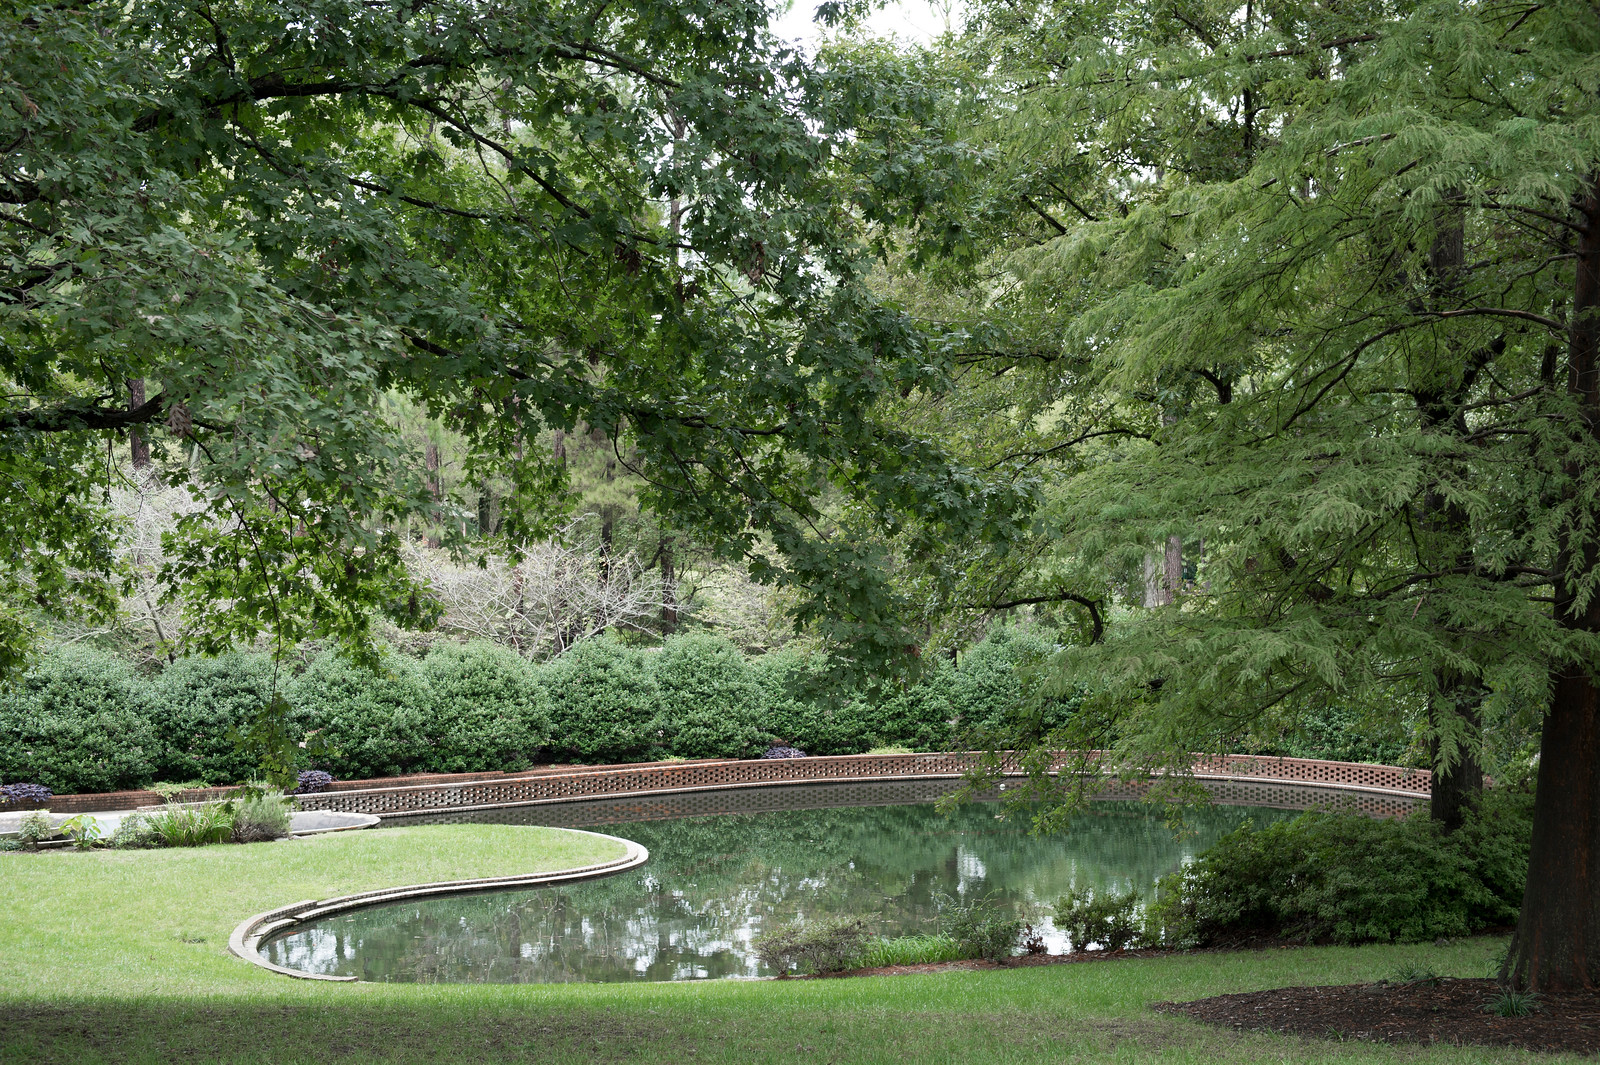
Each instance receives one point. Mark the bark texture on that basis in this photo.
(1557, 943)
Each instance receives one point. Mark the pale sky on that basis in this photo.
(909, 20)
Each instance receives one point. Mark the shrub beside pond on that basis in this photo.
(1346, 878)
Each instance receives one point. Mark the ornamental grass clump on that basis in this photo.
(908, 950)
(193, 826)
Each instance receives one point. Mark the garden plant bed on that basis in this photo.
(1452, 1012)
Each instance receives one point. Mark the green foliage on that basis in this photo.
(908, 950)
(260, 815)
(373, 723)
(918, 713)
(1349, 878)
(710, 706)
(994, 688)
(1508, 1002)
(77, 721)
(135, 832)
(199, 705)
(84, 830)
(1412, 973)
(192, 826)
(804, 708)
(604, 702)
(825, 946)
(485, 708)
(35, 828)
(981, 926)
(1108, 918)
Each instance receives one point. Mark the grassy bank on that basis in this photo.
(121, 957)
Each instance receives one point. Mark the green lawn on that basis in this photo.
(122, 957)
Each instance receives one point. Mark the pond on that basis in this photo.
(715, 881)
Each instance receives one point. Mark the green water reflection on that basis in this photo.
(713, 883)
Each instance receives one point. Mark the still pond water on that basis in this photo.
(714, 882)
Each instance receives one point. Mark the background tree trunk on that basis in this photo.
(1557, 943)
(136, 441)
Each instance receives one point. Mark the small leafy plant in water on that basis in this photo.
(828, 946)
(1509, 1003)
(1108, 918)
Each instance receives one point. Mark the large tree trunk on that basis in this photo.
(1557, 943)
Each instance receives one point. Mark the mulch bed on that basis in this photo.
(1451, 1012)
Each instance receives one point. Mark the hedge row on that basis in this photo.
(83, 720)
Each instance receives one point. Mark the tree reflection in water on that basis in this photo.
(714, 882)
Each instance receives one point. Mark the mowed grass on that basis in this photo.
(122, 957)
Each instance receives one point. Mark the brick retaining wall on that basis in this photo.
(1385, 789)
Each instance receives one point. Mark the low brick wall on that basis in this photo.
(1375, 788)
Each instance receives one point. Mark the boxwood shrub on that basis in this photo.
(372, 723)
(78, 720)
(485, 708)
(710, 704)
(196, 706)
(604, 703)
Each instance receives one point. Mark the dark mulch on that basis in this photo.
(1452, 1012)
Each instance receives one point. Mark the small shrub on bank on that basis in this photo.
(260, 816)
(1107, 918)
(78, 720)
(311, 781)
(1347, 878)
(35, 828)
(827, 946)
(135, 832)
(982, 926)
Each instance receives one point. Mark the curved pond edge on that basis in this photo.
(247, 937)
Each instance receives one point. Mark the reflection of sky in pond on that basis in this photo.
(713, 883)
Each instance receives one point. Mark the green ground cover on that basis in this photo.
(121, 957)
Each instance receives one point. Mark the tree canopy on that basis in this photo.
(257, 220)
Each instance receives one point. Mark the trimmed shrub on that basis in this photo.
(485, 708)
(374, 724)
(989, 691)
(603, 703)
(24, 794)
(917, 715)
(312, 780)
(78, 721)
(801, 709)
(710, 702)
(1348, 878)
(197, 707)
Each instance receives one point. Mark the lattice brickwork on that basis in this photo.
(1376, 786)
